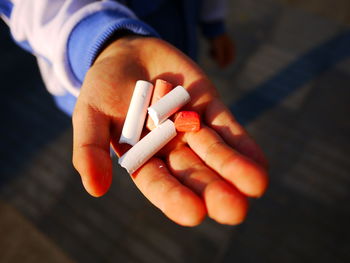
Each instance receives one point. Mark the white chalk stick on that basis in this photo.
(168, 104)
(149, 145)
(137, 111)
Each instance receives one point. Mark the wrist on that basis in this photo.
(127, 43)
(142, 48)
(94, 33)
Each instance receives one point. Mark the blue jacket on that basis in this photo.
(66, 35)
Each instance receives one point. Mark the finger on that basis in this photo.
(161, 88)
(91, 149)
(175, 200)
(224, 203)
(249, 177)
(221, 120)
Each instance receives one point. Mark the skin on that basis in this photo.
(210, 172)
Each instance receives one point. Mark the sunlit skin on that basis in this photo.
(211, 172)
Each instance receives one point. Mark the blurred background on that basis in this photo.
(290, 87)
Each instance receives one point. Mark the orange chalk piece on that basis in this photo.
(161, 88)
(187, 121)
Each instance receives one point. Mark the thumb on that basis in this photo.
(91, 155)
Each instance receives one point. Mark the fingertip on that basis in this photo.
(225, 204)
(175, 200)
(249, 177)
(260, 184)
(185, 208)
(95, 169)
(99, 187)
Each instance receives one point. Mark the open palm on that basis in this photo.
(211, 171)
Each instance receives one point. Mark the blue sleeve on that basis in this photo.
(6, 8)
(91, 34)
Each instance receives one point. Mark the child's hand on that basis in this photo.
(222, 50)
(211, 171)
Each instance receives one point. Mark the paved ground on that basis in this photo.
(289, 86)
